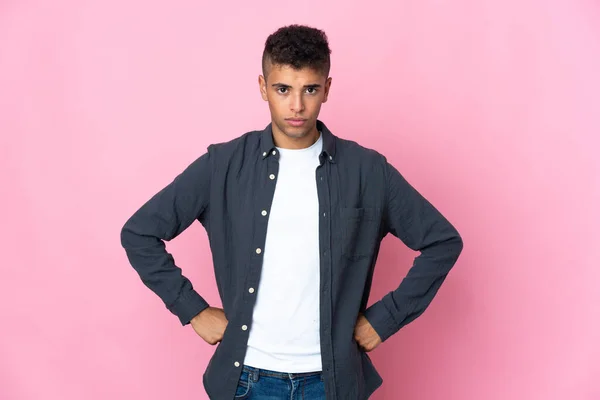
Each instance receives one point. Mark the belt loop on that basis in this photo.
(255, 374)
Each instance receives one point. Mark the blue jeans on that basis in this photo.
(262, 384)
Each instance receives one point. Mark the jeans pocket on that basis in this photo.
(244, 386)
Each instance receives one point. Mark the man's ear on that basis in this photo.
(327, 87)
(262, 85)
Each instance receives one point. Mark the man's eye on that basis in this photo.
(311, 90)
(282, 90)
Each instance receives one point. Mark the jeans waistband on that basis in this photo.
(281, 375)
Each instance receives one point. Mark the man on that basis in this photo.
(295, 216)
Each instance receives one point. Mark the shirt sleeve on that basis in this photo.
(420, 226)
(162, 218)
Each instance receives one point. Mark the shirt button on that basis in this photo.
(264, 212)
(274, 152)
(324, 214)
(272, 176)
(251, 290)
(258, 251)
(264, 154)
(244, 327)
(330, 157)
(237, 364)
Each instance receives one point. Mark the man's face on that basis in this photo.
(295, 98)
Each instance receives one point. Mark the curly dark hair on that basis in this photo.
(298, 46)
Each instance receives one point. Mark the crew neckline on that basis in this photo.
(306, 149)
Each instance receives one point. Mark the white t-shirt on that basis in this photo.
(284, 335)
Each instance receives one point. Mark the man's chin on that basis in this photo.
(296, 134)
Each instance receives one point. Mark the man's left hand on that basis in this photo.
(364, 334)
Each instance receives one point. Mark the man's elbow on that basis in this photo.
(127, 234)
(456, 244)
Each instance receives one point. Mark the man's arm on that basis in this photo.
(421, 227)
(162, 218)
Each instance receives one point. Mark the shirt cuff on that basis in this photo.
(187, 306)
(381, 320)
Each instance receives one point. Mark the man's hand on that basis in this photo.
(364, 334)
(210, 325)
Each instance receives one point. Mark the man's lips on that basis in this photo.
(295, 121)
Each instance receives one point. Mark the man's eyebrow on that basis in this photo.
(313, 85)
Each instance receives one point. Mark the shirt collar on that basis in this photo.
(267, 144)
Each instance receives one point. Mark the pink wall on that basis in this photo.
(490, 108)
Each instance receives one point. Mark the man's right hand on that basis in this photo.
(210, 325)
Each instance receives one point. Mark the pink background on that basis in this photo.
(490, 108)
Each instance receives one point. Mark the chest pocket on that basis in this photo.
(360, 231)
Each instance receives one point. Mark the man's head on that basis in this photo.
(295, 80)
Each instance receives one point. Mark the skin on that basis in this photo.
(294, 93)
(291, 93)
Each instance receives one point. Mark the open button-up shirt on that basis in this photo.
(229, 189)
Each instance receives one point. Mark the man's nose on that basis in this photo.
(296, 104)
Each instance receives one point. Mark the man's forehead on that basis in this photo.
(288, 72)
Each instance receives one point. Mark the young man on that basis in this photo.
(295, 216)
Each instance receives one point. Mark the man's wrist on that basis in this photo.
(197, 317)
